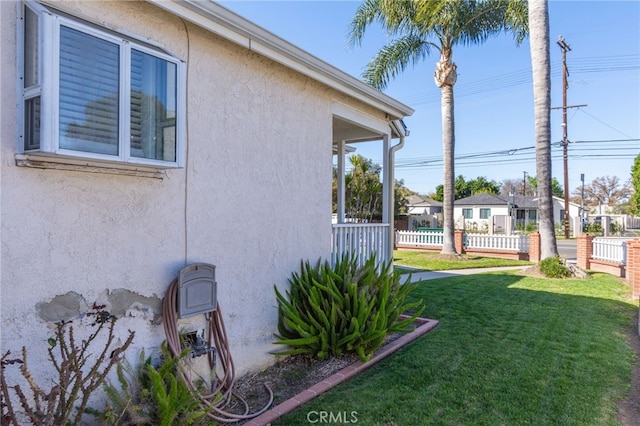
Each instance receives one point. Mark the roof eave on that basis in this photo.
(231, 26)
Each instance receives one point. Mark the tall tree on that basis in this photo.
(529, 187)
(418, 27)
(400, 197)
(603, 191)
(363, 190)
(541, 66)
(465, 188)
(634, 206)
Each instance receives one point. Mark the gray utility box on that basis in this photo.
(197, 290)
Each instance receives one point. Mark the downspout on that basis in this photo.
(401, 130)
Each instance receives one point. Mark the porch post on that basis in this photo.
(341, 186)
(387, 196)
(386, 174)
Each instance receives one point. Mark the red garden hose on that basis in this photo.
(216, 401)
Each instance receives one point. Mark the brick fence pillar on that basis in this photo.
(584, 250)
(458, 238)
(633, 267)
(534, 247)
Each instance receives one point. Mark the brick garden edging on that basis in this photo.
(349, 371)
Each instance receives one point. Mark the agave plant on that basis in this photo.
(330, 310)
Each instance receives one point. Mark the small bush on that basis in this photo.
(616, 229)
(553, 267)
(151, 395)
(345, 308)
(529, 228)
(593, 229)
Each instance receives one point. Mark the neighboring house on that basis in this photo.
(424, 212)
(483, 212)
(132, 135)
(423, 205)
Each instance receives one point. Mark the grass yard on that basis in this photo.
(509, 350)
(433, 261)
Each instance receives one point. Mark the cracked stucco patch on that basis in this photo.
(125, 302)
(121, 303)
(64, 307)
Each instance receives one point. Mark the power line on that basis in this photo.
(600, 121)
(520, 155)
(585, 65)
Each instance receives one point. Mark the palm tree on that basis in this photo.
(540, 63)
(422, 26)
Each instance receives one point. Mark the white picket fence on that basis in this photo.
(610, 249)
(419, 239)
(516, 243)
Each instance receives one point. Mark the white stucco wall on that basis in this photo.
(258, 135)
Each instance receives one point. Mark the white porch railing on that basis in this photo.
(610, 249)
(517, 243)
(419, 238)
(362, 239)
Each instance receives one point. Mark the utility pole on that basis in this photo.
(582, 215)
(565, 141)
(524, 184)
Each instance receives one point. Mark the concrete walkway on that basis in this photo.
(432, 275)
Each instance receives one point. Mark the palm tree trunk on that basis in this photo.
(540, 62)
(448, 148)
(445, 77)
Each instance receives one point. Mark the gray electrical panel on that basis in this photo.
(196, 290)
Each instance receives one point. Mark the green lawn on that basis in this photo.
(433, 261)
(509, 350)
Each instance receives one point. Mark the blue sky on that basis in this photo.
(493, 94)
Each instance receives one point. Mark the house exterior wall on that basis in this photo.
(475, 222)
(256, 131)
(496, 210)
(574, 212)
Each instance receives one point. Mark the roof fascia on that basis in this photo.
(231, 26)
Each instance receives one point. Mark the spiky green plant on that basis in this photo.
(151, 395)
(345, 308)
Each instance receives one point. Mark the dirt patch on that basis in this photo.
(288, 377)
(532, 271)
(293, 374)
(450, 257)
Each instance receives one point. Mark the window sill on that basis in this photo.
(57, 162)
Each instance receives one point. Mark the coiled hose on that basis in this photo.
(216, 402)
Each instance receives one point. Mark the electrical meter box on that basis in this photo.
(196, 290)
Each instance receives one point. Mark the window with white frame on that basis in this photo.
(485, 213)
(92, 93)
(467, 213)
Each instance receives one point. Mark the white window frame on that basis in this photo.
(49, 22)
(486, 212)
(466, 211)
